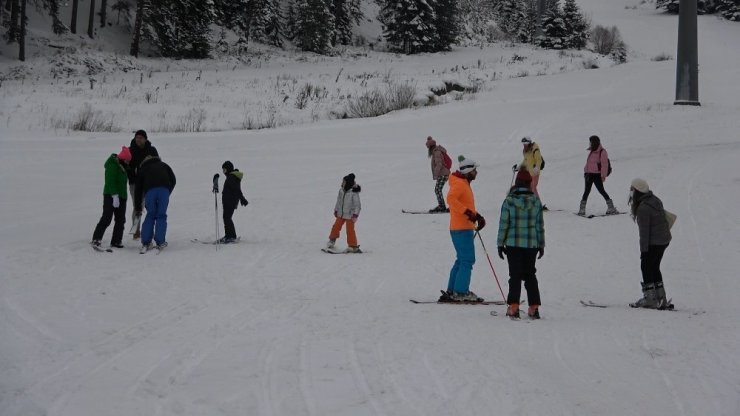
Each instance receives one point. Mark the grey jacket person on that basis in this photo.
(348, 203)
(654, 229)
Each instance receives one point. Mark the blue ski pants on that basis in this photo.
(465, 249)
(156, 201)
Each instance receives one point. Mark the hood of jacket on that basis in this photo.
(237, 174)
(522, 198)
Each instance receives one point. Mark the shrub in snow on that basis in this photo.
(605, 40)
(378, 102)
(92, 120)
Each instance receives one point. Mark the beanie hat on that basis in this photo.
(349, 179)
(640, 185)
(467, 165)
(431, 142)
(141, 133)
(124, 154)
(523, 177)
(228, 166)
(527, 140)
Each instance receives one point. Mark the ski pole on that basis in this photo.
(491, 264)
(513, 175)
(215, 200)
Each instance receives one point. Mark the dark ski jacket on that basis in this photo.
(232, 193)
(654, 228)
(153, 173)
(137, 156)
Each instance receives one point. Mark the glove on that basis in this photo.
(481, 222)
(116, 201)
(244, 202)
(603, 179)
(336, 214)
(501, 252)
(355, 217)
(514, 168)
(471, 216)
(535, 171)
(541, 252)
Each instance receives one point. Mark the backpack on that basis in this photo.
(608, 164)
(542, 165)
(446, 160)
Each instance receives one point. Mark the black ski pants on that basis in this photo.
(109, 213)
(229, 229)
(438, 187)
(593, 179)
(521, 269)
(650, 264)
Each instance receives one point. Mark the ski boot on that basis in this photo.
(513, 311)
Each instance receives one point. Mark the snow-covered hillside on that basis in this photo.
(272, 326)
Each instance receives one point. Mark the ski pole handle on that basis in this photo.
(215, 183)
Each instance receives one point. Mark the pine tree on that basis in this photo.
(180, 28)
(141, 10)
(274, 24)
(290, 21)
(447, 23)
(553, 27)
(702, 6)
(314, 25)
(121, 6)
(346, 13)
(729, 9)
(576, 26)
(408, 25)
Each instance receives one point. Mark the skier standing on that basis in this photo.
(532, 162)
(440, 172)
(655, 235)
(521, 236)
(114, 199)
(346, 211)
(464, 222)
(595, 173)
(230, 198)
(140, 148)
(155, 182)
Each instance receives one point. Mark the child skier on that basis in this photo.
(230, 199)
(346, 211)
(440, 172)
(114, 199)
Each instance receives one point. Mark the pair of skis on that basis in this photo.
(592, 304)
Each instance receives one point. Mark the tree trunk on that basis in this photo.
(8, 4)
(91, 20)
(73, 24)
(103, 7)
(13, 27)
(140, 7)
(22, 35)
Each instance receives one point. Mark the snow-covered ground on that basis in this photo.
(272, 326)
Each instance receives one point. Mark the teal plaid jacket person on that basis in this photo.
(521, 223)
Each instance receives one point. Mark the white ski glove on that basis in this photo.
(116, 201)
